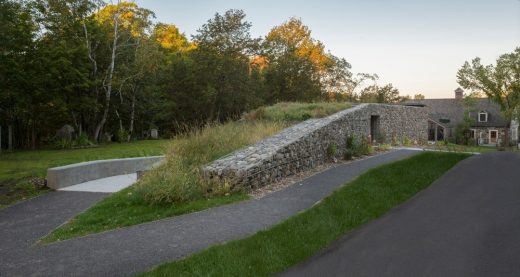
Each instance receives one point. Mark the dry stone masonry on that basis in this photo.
(304, 146)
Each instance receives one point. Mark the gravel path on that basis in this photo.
(135, 249)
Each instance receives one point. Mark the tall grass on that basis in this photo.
(179, 179)
(293, 111)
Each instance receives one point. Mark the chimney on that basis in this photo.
(459, 94)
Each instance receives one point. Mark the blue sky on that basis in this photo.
(416, 45)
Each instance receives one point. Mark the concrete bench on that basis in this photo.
(68, 175)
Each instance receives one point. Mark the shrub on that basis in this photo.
(394, 140)
(370, 149)
(384, 147)
(361, 148)
(406, 141)
(349, 142)
(121, 135)
(82, 140)
(347, 155)
(331, 150)
(63, 143)
(380, 137)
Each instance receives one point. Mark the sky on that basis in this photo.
(418, 46)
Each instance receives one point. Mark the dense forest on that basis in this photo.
(112, 72)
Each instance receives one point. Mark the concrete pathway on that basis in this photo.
(135, 249)
(467, 223)
(106, 185)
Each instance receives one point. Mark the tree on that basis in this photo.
(500, 82)
(298, 67)
(170, 38)
(127, 23)
(419, 96)
(378, 94)
(462, 130)
(16, 43)
(221, 60)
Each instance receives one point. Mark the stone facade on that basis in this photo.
(304, 146)
(483, 136)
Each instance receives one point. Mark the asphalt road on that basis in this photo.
(467, 223)
(127, 251)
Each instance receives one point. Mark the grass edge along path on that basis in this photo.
(366, 198)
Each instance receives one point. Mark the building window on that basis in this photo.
(482, 117)
(473, 134)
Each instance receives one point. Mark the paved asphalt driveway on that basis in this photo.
(467, 223)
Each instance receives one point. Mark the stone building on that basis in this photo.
(488, 126)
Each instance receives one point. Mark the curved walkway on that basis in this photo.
(138, 248)
(467, 223)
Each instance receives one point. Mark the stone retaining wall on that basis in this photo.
(304, 146)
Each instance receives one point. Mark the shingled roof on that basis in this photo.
(450, 112)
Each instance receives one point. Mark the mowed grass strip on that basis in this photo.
(121, 210)
(292, 241)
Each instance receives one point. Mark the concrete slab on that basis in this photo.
(107, 185)
(73, 174)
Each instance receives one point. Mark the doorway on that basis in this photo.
(493, 135)
(374, 128)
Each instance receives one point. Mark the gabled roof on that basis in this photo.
(450, 112)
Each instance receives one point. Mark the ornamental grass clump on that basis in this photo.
(179, 179)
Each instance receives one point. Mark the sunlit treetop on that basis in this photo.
(128, 15)
(169, 37)
(294, 37)
(259, 62)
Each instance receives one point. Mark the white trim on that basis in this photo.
(484, 113)
(474, 133)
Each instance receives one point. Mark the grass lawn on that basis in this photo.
(451, 147)
(122, 209)
(366, 198)
(17, 167)
(177, 187)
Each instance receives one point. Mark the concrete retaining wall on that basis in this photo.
(304, 145)
(68, 175)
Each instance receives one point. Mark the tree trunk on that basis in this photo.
(132, 116)
(120, 120)
(33, 137)
(78, 127)
(10, 137)
(108, 88)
